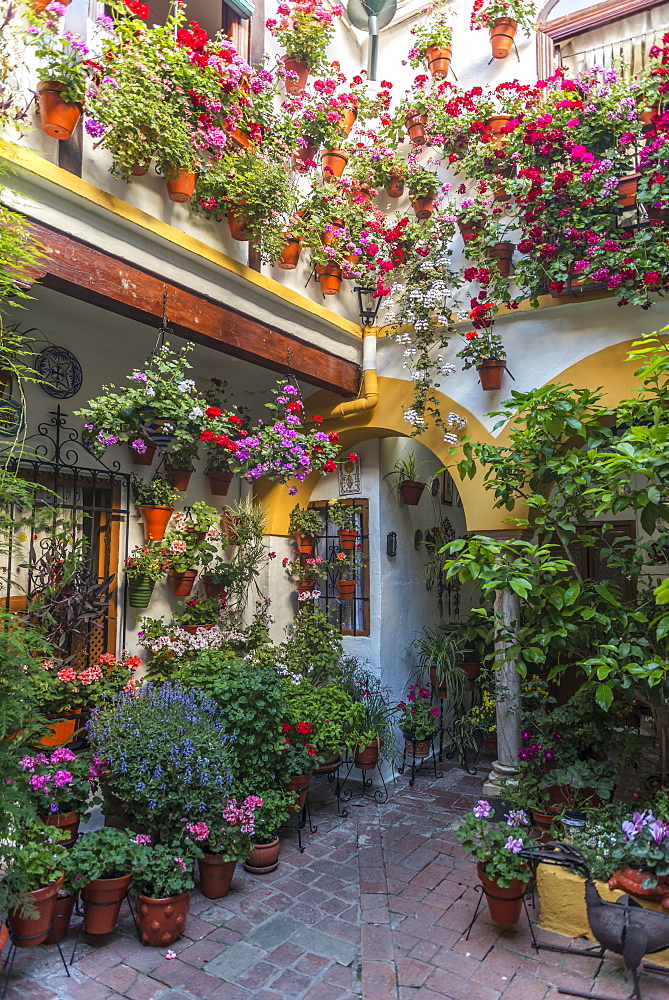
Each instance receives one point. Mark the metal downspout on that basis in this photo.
(369, 389)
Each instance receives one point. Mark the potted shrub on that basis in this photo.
(345, 516)
(304, 32)
(63, 71)
(199, 612)
(145, 565)
(502, 18)
(155, 501)
(408, 484)
(101, 862)
(418, 721)
(37, 868)
(496, 847)
(484, 351)
(163, 876)
(306, 524)
(433, 42)
(225, 839)
(60, 785)
(439, 653)
(264, 855)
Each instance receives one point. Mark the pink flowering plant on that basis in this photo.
(164, 870)
(305, 570)
(147, 560)
(61, 54)
(227, 832)
(643, 842)
(61, 782)
(486, 12)
(417, 717)
(433, 31)
(304, 30)
(497, 845)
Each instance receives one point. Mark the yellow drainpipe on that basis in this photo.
(368, 396)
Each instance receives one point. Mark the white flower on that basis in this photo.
(450, 438)
(196, 412)
(150, 391)
(186, 385)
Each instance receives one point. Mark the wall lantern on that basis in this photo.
(368, 305)
(391, 544)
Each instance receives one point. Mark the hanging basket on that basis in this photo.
(411, 492)
(140, 169)
(58, 118)
(415, 123)
(333, 162)
(181, 185)
(140, 591)
(161, 431)
(439, 60)
(502, 33)
(301, 69)
(491, 374)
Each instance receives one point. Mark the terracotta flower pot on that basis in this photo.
(39, 5)
(146, 457)
(503, 252)
(192, 629)
(411, 492)
(563, 795)
(62, 914)
(305, 544)
(347, 538)
(302, 71)
(423, 205)
(237, 224)
(162, 921)
(102, 900)
(347, 120)
(302, 153)
(290, 254)
(627, 189)
(496, 124)
(346, 589)
(472, 668)
(181, 584)
(62, 731)
(468, 230)
(264, 858)
(543, 820)
(219, 482)
(305, 586)
(439, 60)
(648, 117)
(491, 374)
(442, 692)
(4, 936)
(333, 162)
(212, 589)
(31, 931)
(368, 757)
(330, 764)
(490, 742)
(180, 478)
(58, 118)
(181, 185)
(415, 123)
(329, 278)
(298, 783)
(395, 188)
(631, 880)
(419, 749)
(657, 214)
(505, 905)
(215, 875)
(155, 520)
(140, 591)
(140, 169)
(67, 822)
(502, 33)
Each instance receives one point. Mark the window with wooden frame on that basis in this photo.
(351, 617)
(243, 21)
(615, 34)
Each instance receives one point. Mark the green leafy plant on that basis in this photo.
(103, 853)
(305, 521)
(433, 31)
(305, 31)
(271, 814)
(149, 559)
(153, 491)
(61, 55)
(345, 516)
(37, 858)
(436, 649)
(164, 870)
(199, 611)
(334, 715)
(313, 646)
(405, 470)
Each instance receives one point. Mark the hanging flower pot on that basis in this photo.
(501, 194)
(155, 520)
(161, 431)
(102, 900)
(230, 523)
(58, 118)
(505, 905)
(60, 921)
(346, 589)
(627, 189)
(237, 224)
(502, 33)
(140, 591)
(411, 492)
(215, 875)
(366, 192)
(144, 457)
(300, 69)
(439, 60)
(648, 117)
(305, 544)
(180, 478)
(219, 482)
(347, 120)
(472, 669)
(181, 584)
(415, 122)
(162, 921)
(264, 858)
(31, 931)
(298, 783)
(305, 586)
(181, 185)
(395, 188)
(352, 260)
(333, 162)
(290, 254)
(192, 629)
(468, 230)
(503, 252)
(212, 589)
(419, 749)
(347, 537)
(423, 205)
(367, 757)
(140, 169)
(491, 374)
(67, 822)
(496, 124)
(302, 153)
(329, 278)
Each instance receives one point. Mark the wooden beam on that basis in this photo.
(77, 269)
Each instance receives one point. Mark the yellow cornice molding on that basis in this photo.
(27, 160)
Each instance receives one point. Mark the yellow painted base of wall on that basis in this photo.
(562, 902)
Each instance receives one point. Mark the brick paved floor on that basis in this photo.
(373, 909)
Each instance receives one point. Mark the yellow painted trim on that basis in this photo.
(28, 160)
